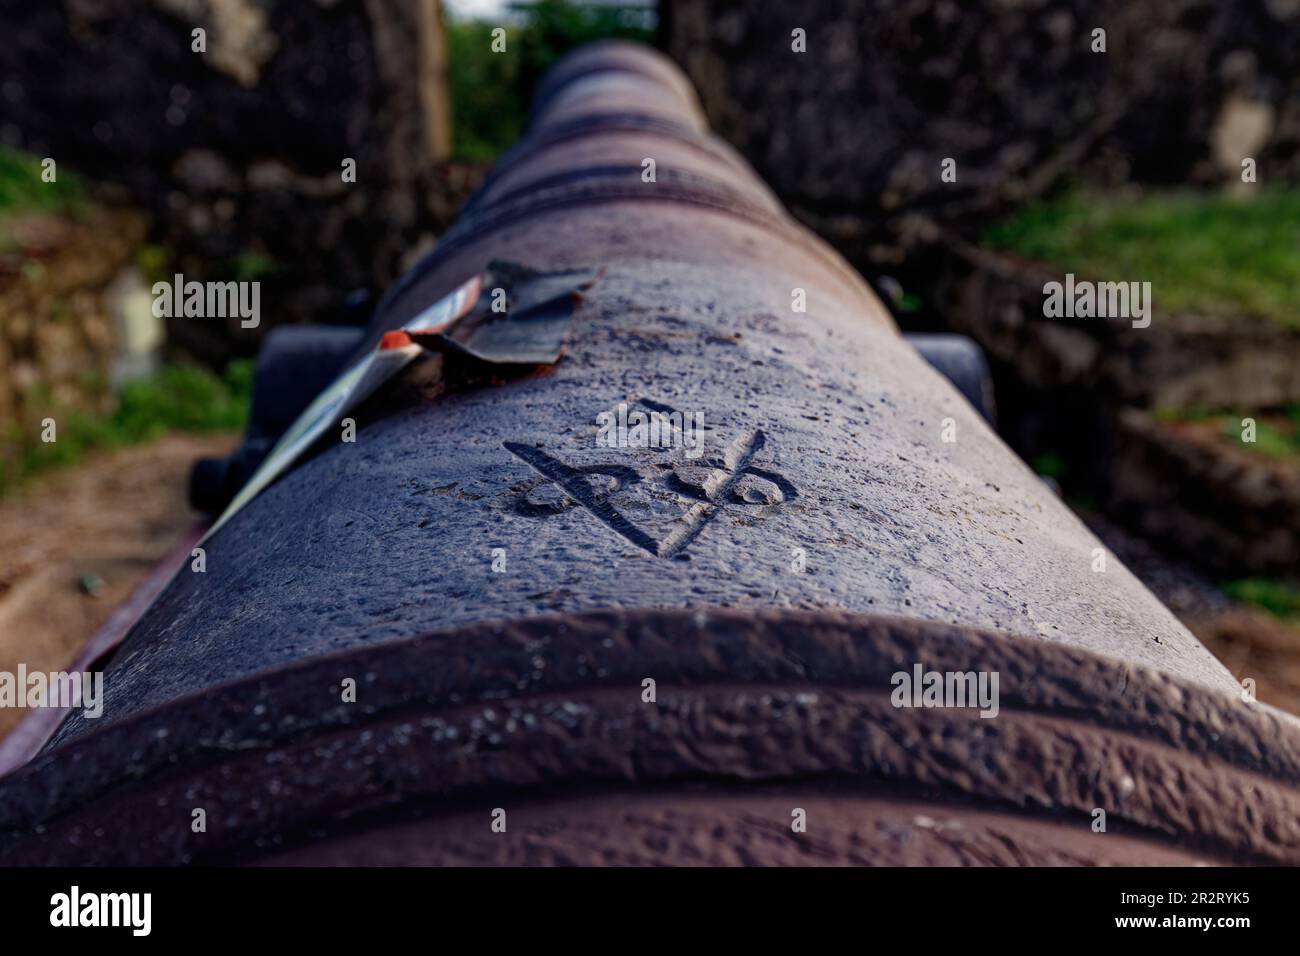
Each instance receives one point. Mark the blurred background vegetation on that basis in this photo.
(491, 93)
(22, 190)
(180, 397)
(1203, 253)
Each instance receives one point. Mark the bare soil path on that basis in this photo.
(75, 543)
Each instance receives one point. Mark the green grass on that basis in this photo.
(180, 398)
(1049, 465)
(486, 115)
(1276, 435)
(491, 92)
(1272, 440)
(252, 267)
(1202, 253)
(23, 191)
(1279, 598)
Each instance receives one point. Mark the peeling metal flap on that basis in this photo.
(523, 320)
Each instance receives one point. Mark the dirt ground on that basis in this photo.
(1249, 642)
(75, 543)
(1253, 644)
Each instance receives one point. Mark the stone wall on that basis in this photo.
(237, 151)
(852, 132)
(58, 328)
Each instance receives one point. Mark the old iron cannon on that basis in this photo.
(480, 634)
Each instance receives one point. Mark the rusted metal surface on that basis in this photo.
(774, 707)
(827, 537)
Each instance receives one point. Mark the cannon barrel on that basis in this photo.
(563, 648)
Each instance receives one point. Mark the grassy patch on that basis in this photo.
(486, 115)
(23, 190)
(180, 398)
(1049, 465)
(1202, 253)
(252, 267)
(491, 92)
(1277, 435)
(1279, 598)
(24, 193)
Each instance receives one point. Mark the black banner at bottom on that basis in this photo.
(334, 905)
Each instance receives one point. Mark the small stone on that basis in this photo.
(753, 490)
(548, 498)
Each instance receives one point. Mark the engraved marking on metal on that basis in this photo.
(735, 481)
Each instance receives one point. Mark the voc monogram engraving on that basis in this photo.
(733, 481)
